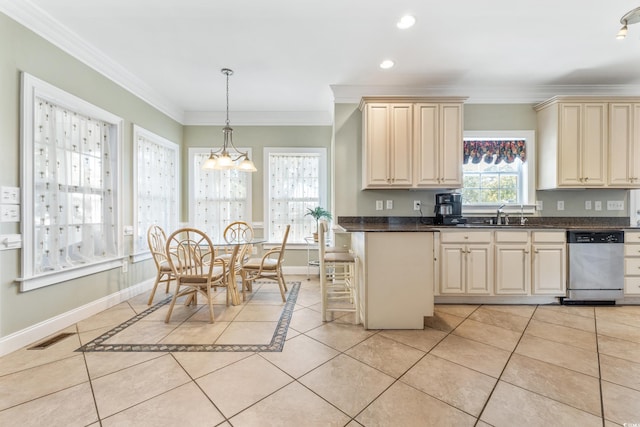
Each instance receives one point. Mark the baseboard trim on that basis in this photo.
(24, 337)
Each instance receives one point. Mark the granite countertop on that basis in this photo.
(404, 224)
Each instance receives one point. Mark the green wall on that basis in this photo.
(22, 50)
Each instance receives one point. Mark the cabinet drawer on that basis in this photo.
(512, 236)
(631, 250)
(465, 236)
(631, 237)
(632, 266)
(632, 285)
(548, 236)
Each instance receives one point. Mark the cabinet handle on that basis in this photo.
(466, 237)
(586, 179)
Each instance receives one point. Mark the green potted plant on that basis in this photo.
(318, 213)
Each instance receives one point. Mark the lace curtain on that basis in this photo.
(294, 186)
(494, 151)
(220, 197)
(74, 189)
(157, 186)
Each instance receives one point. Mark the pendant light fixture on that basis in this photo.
(223, 159)
(631, 17)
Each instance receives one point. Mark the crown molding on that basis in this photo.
(41, 23)
(259, 118)
(352, 94)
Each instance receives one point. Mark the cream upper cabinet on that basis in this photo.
(411, 142)
(624, 145)
(438, 144)
(387, 160)
(572, 143)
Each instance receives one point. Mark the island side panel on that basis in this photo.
(397, 279)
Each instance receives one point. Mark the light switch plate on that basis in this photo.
(389, 204)
(379, 205)
(560, 205)
(587, 205)
(9, 213)
(598, 205)
(9, 195)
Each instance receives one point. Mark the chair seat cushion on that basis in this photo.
(339, 257)
(254, 264)
(331, 249)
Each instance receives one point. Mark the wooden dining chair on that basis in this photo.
(269, 266)
(191, 255)
(157, 240)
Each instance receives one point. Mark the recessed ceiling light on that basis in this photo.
(386, 64)
(406, 21)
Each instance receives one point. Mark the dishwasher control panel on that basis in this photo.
(582, 236)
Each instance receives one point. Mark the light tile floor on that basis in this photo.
(471, 365)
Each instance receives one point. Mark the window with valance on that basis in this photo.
(494, 151)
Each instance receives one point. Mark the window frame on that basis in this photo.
(33, 88)
(193, 151)
(322, 179)
(142, 253)
(528, 172)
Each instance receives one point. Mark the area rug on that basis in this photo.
(107, 342)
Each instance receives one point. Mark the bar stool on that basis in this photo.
(338, 281)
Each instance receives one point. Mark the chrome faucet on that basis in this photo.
(499, 214)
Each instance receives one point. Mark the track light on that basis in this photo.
(631, 17)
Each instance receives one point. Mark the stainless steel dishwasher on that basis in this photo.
(596, 266)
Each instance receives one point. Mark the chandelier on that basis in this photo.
(223, 159)
(631, 17)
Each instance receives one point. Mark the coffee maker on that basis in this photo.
(448, 209)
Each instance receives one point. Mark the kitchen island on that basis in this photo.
(408, 264)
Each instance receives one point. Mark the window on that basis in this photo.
(156, 192)
(71, 184)
(296, 180)
(217, 197)
(498, 169)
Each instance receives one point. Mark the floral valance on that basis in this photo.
(494, 151)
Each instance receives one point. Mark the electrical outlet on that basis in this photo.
(587, 205)
(598, 205)
(560, 205)
(389, 204)
(539, 205)
(416, 205)
(615, 205)
(379, 205)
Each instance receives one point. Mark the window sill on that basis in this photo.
(42, 280)
(491, 209)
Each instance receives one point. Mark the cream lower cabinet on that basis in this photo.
(465, 263)
(631, 264)
(513, 262)
(549, 252)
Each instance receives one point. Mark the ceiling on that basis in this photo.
(292, 59)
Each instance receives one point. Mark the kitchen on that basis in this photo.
(23, 313)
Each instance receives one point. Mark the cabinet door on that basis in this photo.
(479, 269)
(594, 144)
(401, 145)
(388, 147)
(451, 146)
(427, 129)
(439, 148)
(377, 128)
(452, 269)
(513, 271)
(569, 134)
(624, 145)
(549, 270)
